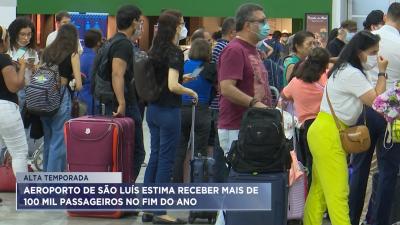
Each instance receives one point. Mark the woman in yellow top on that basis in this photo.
(348, 89)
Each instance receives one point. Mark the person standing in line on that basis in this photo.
(121, 58)
(22, 39)
(388, 159)
(12, 134)
(63, 52)
(228, 32)
(242, 76)
(374, 21)
(346, 91)
(92, 41)
(62, 18)
(302, 45)
(164, 115)
(199, 75)
(346, 31)
(306, 90)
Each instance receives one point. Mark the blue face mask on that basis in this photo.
(349, 36)
(264, 31)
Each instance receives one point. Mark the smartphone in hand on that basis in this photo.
(31, 60)
(19, 54)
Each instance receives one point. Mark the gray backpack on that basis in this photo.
(43, 97)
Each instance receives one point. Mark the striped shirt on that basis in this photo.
(221, 44)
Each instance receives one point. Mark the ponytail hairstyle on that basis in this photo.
(311, 69)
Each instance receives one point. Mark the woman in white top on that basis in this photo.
(348, 90)
(23, 44)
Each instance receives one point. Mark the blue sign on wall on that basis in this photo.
(87, 21)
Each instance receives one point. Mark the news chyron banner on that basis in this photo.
(104, 191)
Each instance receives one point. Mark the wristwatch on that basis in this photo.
(383, 74)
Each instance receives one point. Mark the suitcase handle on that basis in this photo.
(192, 133)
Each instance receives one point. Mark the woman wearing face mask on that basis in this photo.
(348, 89)
(11, 128)
(302, 45)
(23, 44)
(164, 115)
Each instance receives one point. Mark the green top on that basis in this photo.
(292, 59)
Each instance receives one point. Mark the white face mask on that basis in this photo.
(183, 33)
(22, 45)
(371, 62)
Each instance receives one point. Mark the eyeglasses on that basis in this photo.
(28, 35)
(260, 21)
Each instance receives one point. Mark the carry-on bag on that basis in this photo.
(100, 144)
(202, 170)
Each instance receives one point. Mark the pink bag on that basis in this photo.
(297, 189)
(7, 178)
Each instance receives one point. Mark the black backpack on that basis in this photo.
(262, 146)
(101, 86)
(147, 86)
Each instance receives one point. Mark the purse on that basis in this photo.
(7, 178)
(354, 139)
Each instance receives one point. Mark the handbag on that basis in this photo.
(7, 178)
(354, 139)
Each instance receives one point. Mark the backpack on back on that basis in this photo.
(147, 86)
(101, 86)
(43, 97)
(261, 146)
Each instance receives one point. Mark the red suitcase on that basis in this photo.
(100, 144)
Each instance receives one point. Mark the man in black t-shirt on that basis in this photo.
(122, 57)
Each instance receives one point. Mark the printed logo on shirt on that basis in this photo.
(41, 78)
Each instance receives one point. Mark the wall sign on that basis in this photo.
(318, 23)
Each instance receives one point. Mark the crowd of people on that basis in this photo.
(223, 77)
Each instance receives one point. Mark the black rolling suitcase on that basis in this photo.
(202, 170)
(279, 200)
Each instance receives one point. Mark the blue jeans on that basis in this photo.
(165, 130)
(388, 166)
(21, 98)
(139, 153)
(54, 151)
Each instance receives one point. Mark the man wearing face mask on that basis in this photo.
(242, 77)
(122, 57)
(347, 30)
(388, 159)
(374, 20)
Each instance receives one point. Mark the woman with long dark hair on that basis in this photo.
(23, 44)
(347, 89)
(164, 115)
(63, 52)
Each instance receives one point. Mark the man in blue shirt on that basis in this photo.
(93, 41)
(276, 45)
